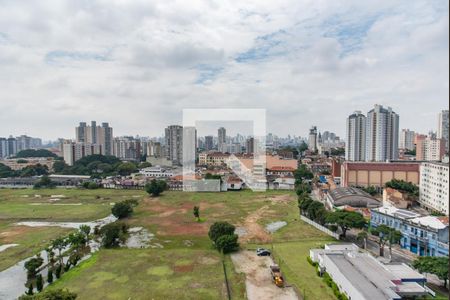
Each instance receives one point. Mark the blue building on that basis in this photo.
(422, 235)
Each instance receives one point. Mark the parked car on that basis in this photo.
(262, 252)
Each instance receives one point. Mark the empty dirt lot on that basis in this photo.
(258, 282)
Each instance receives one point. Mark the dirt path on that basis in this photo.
(258, 282)
(255, 231)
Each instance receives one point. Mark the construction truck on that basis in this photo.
(277, 277)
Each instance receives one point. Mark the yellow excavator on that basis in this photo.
(277, 277)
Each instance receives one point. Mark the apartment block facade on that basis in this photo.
(434, 187)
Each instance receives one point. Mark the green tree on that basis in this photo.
(403, 186)
(219, 229)
(35, 153)
(304, 204)
(156, 187)
(86, 230)
(122, 209)
(346, 220)
(44, 182)
(59, 294)
(303, 147)
(6, 171)
(144, 164)
(126, 168)
(39, 283)
(196, 212)
(303, 188)
(433, 265)
(32, 265)
(59, 166)
(113, 234)
(227, 243)
(387, 235)
(371, 190)
(77, 239)
(302, 173)
(59, 244)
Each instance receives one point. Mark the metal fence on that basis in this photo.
(320, 227)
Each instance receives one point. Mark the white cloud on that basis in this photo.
(137, 64)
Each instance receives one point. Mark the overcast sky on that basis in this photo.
(137, 64)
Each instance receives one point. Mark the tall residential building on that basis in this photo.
(355, 148)
(3, 148)
(312, 139)
(104, 137)
(407, 139)
(250, 146)
(209, 143)
(11, 146)
(381, 134)
(93, 134)
(174, 144)
(73, 151)
(442, 132)
(429, 148)
(80, 132)
(189, 147)
(433, 188)
(222, 139)
(127, 148)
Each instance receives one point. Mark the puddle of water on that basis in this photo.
(139, 238)
(75, 225)
(4, 247)
(241, 231)
(274, 226)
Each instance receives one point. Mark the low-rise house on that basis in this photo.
(156, 172)
(349, 196)
(398, 198)
(360, 276)
(422, 235)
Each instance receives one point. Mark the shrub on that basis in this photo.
(113, 234)
(227, 243)
(220, 228)
(60, 294)
(122, 209)
(156, 187)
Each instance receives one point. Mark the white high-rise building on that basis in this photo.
(382, 126)
(434, 186)
(442, 132)
(355, 148)
(222, 139)
(407, 139)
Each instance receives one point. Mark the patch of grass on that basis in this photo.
(28, 204)
(151, 274)
(291, 256)
(30, 242)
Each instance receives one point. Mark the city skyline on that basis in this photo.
(301, 61)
